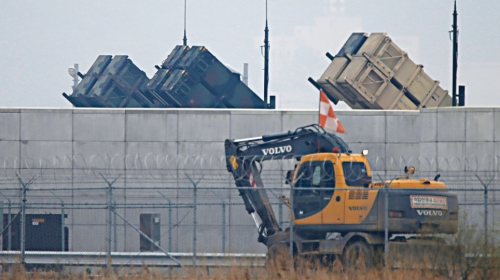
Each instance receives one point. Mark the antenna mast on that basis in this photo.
(184, 40)
(266, 60)
(455, 55)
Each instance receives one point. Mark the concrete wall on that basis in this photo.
(69, 148)
(28, 135)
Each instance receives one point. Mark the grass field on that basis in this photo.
(480, 269)
(233, 273)
(472, 257)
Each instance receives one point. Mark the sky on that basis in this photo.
(40, 40)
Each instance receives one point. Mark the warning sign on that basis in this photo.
(36, 222)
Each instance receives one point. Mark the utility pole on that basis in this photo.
(266, 60)
(184, 40)
(455, 55)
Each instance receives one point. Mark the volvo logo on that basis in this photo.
(358, 208)
(430, 212)
(277, 150)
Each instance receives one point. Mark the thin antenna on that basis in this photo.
(75, 78)
(266, 60)
(184, 40)
(245, 73)
(455, 56)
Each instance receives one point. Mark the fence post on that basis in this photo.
(292, 194)
(386, 219)
(108, 222)
(386, 224)
(109, 193)
(115, 233)
(23, 224)
(10, 226)
(195, 223)
(485, 214)
(23, 217)
(291, 222)
(169, 221)
(9, 221)
(223, 226)
(62, 221)
(108, 218)
(223, 222)
(485, 186)
(169, 226)
(63, 236)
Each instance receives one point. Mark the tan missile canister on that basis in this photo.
(379, 75)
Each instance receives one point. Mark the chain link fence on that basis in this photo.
(185, 204)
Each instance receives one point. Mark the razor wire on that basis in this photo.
(165, 168)
(158, 161)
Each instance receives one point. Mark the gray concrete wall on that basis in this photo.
(68, 148)
(29, 135)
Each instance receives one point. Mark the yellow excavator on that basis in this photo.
(336, 210)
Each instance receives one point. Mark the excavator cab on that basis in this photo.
(320, 189)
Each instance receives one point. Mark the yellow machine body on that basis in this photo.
(333, 192)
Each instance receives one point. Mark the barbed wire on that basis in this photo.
(157, 161)
(146, 198)
(162, 172)
(153, 166)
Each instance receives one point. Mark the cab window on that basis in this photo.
(315, 175)
(354, 172)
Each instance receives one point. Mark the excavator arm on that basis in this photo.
(244, 159)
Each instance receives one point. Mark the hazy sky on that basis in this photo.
(40, 40)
